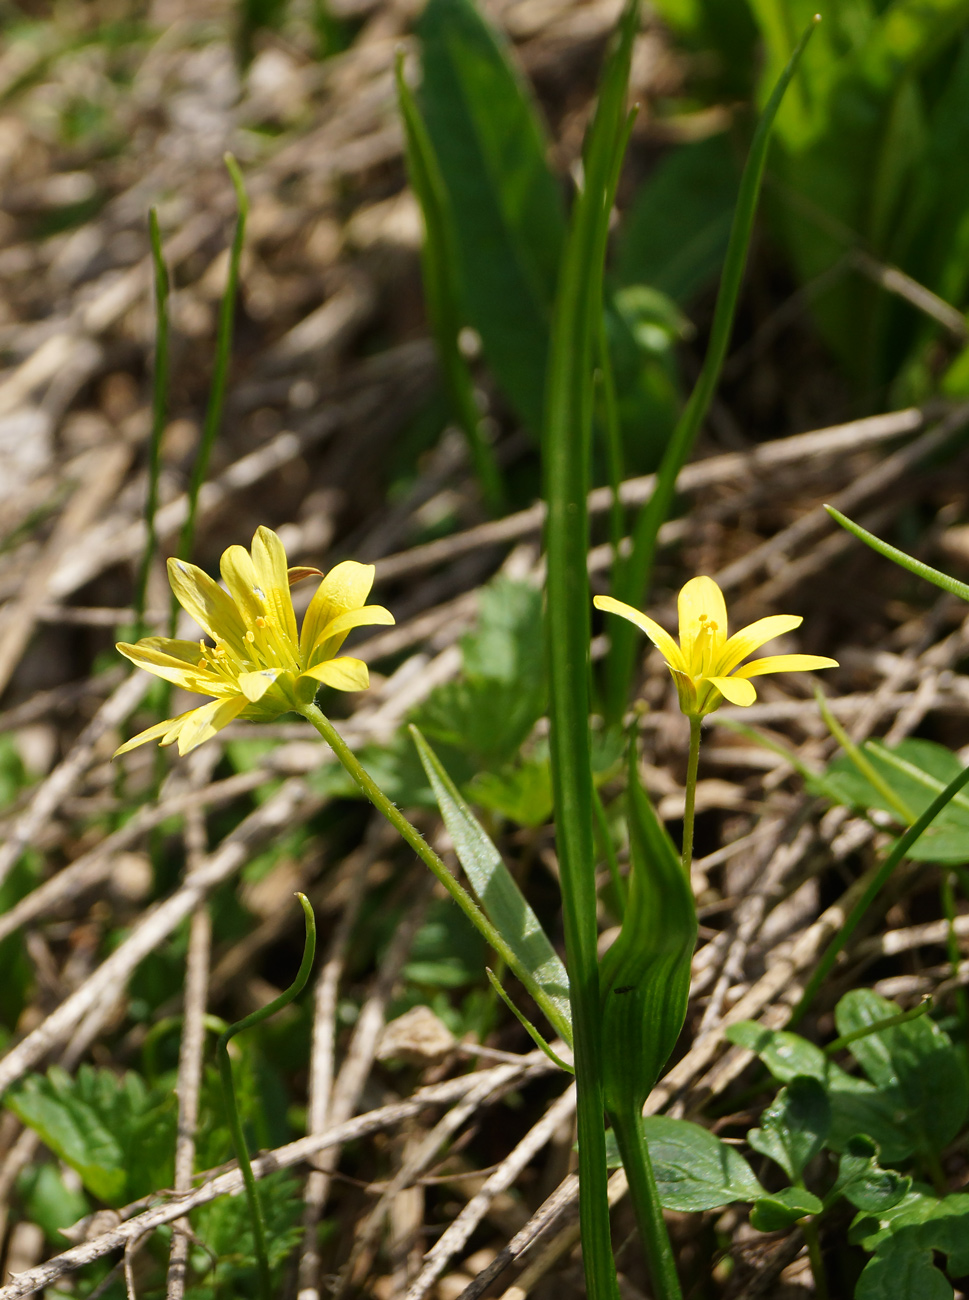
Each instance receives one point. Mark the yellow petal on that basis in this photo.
(737, 691)
(204, 600)
(202, 724)
(334, 634)
(700, 603)
(157, 732)
(660, 638)
(752, 637)
(345, 674)
(239, 575)
(255, 685)
(785, 664)
(174, 668)
(269, 561)
(345, 587)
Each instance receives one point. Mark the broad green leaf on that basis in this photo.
(508, 213)
(694, 1170)
(786, 1055)
(858, 1107)
(914, 1065)
(49, 1202)
(523, 794)
(917, 771)
(118, 1136)
(903, 1274)
(779, 1210)
(540, 967)
(794, 1126)
(645, 975)
(863, 1182)
(674, 236)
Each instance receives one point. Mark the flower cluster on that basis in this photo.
(258, 666)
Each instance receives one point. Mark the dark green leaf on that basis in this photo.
(795, 1125)
(508, 212)
(224, 1227)
(863, 1182)
(902, 1274)
(694, 1170)
(915, 1066)
(782, 1209)
(674, 237)
(48, 1202)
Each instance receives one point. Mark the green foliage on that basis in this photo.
(914, 1065)
(509, 222)
(447, 952)
(864, 1183)
(223, 1229)
(645, 975)
(674, 235)
(49, 1202)
(694, 1170)
(794, 1126)
(114, 1132)
(903, 1238)
(536, 962)
(780, 1210)
(916, 771)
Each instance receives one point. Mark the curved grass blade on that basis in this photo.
(159, 408)
(536, 963)
(439, 262)
(220, 371)
(632, 577)
(899, 557)
(526, 1024)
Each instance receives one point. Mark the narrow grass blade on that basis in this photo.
(220, 371)
(526, 1024)
(439, 261)
(632, 578)
(878, 882)
(899, 557)
(566, 449)
(159, 408)
(537, 963)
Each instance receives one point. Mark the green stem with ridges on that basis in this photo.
(628, 1128)
(689, 807)
(228, 1089)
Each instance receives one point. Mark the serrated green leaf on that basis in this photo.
(793, 1128)
(693, 1169)
(540, 966)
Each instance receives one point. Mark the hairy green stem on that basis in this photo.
(688, 810)
(228, 1089)
(628, 1127)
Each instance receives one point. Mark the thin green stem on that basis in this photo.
(228, 1089)
(415, 840)
(688, 811)
(878, 1026)
(220, 371)
(809, 1230)
(628, 1128)
(955, 956)
(899, 557)
(159, 409)
(875, 886)
(861, 761)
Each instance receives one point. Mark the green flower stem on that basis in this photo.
(232, 1110)
(691, 771)
(415, 840)
(628, 1128)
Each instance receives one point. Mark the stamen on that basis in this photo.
(250, 638)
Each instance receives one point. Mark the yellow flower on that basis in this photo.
(707, 665)
(259, 667)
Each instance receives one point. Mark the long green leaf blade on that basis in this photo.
(539, 965)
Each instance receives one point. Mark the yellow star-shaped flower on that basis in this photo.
(259, 666)
(707, 665)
